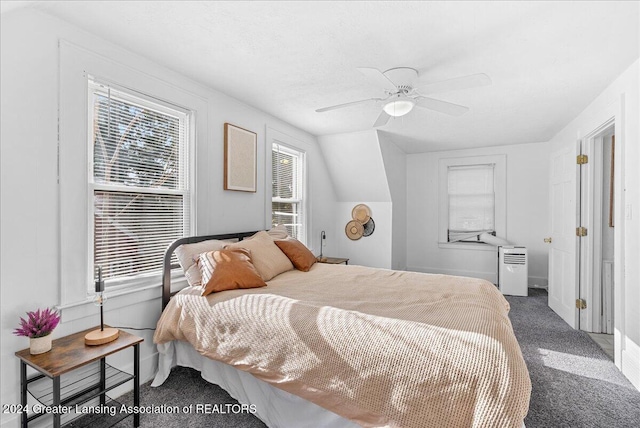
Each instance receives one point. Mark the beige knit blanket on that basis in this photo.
(379, 347)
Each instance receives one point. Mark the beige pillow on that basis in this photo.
(188, 256)
(301, 257)
(266, 256)
(277, 232)
(227, 270)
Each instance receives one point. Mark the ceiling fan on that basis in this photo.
(402, 96)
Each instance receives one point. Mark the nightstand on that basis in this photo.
(78, 373)
(333, 260)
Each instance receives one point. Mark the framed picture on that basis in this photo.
(240, 159)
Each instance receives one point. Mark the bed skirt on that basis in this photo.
(275, 407)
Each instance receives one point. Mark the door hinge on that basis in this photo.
(581, 231)
(581, 304)
(582, 159)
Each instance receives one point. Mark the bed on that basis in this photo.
(352, 346)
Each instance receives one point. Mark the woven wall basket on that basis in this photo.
(354, 230)
(361, 213)
(369, 227)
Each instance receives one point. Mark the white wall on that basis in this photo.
(395, 167)
(374, 250)
(620, 100)
(357, 170)
(356, 166)
(527, 203)
(32, 245)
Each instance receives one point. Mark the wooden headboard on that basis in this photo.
(167, 266)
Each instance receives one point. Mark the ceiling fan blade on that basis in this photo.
(441, 106)
(377, 78)
(382, 119)
(352, 103)
(465, 82)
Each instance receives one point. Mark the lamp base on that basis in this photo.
(99, 337)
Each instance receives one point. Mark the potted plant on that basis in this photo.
(38, 327)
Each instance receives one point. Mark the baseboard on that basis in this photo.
(631, 362)
(11, 422)
(538, 282)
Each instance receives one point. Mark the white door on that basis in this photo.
(563, 284)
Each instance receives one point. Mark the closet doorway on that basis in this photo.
(597, 256)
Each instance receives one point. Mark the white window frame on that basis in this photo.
(500, 189)
(302, 200)
(112, 66)
(187, 179)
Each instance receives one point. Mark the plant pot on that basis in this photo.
(39, 345)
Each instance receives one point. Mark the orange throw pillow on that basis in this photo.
(228, 270)
(299, 255)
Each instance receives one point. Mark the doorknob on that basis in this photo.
(547, 240)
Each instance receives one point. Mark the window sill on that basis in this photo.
(117, 299)
(469, 246)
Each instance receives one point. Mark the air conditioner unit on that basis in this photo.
(513, 270)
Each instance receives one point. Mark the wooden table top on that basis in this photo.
(69, 352)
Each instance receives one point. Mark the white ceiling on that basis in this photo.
(547, 60)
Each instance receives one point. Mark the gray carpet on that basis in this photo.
(185, 387)
(575, 384)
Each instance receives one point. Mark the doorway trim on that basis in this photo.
(615, 111)
(590, 271)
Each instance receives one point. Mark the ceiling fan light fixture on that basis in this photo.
(399, 106)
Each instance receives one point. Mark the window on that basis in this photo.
(288, 190)
(139, 183)
(472, 200)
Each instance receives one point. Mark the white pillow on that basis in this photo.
(188, 255)
(277, 232)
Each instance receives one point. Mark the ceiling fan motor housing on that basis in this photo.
(403, 77)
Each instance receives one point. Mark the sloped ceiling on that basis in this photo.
(356, 166)
(547, 60)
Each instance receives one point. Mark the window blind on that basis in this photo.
(471, 201)
(287, 203)
(139, 180)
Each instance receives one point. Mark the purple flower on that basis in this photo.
(38, 323)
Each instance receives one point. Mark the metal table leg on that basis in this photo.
(103, 382)
(56, 401)
(136, 383)
(23, 393)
